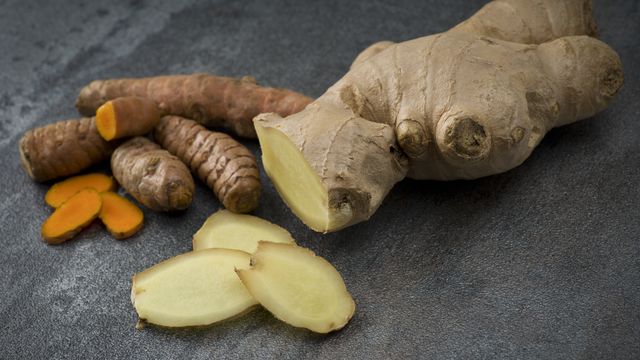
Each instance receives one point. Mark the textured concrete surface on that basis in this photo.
(540, 262)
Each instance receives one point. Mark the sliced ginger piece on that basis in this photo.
(72, 216)
(298, 287)
(194, 289)
(226, 229)
(63, 190)
(297, 183)
(121, 217)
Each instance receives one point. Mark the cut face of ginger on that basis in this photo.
(298, 287)
(194, 289)
(296, 181)
(226, 229)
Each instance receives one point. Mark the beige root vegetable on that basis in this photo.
(229, 230)
(121, 217)
(194, 289)
(521, 21)
(212, 101)
(226, 166)
(298, 287)
(72, 216)
(442, 107)
(63, 190)
(127, 117)
(152, 175)
(62, 149)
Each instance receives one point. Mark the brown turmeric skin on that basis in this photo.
(150, 174)
(212, 101)
(127, 117)
(64, 148)
(225, 165)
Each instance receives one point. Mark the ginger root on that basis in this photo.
(441, 107)
(229, 230)
(520, 21)
(225, 165)
(212, 101)
(127, 117)
(198, 288)
(121, 217)
(64, 148)
(63, 190)
(152, 176)
(298, 287)
(72, 216)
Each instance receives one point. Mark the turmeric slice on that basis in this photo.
(121, 217)
(127, 117)
(63, 190)
(72, 216)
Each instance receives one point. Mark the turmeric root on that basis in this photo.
(72, 216)
(212, 101)
(520, 21)
(127, 117)
(62, 149)
(150, 174)
(121, 217)
(225, 165)
(63, 190)
(441, 107)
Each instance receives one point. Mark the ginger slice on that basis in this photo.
(121, 217)
(72, 216)
(198, 288)
(297, 183)
(63, 190)
(298, 287)
(226, 229)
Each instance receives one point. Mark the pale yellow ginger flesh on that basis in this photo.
(297, 183)
(228, 230)
(194, 289)
(298, 287)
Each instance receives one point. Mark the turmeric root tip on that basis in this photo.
(127, 117)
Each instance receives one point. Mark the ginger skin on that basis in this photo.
(212, 101)
(520, 21)
(127, 117)
(64, 148)
(226, 166)
(470, 107)
(150, 174)
(71, 217)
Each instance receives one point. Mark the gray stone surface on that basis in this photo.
(540, 262)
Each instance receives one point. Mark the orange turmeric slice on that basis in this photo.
(72, 216)
(121, 217)
(127, 117)
(63, 190)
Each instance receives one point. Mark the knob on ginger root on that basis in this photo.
(226, 166)
(152, 175)
(441, 107)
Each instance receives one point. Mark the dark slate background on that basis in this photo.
(540, 262)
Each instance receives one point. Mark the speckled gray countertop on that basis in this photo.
(540, 262)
